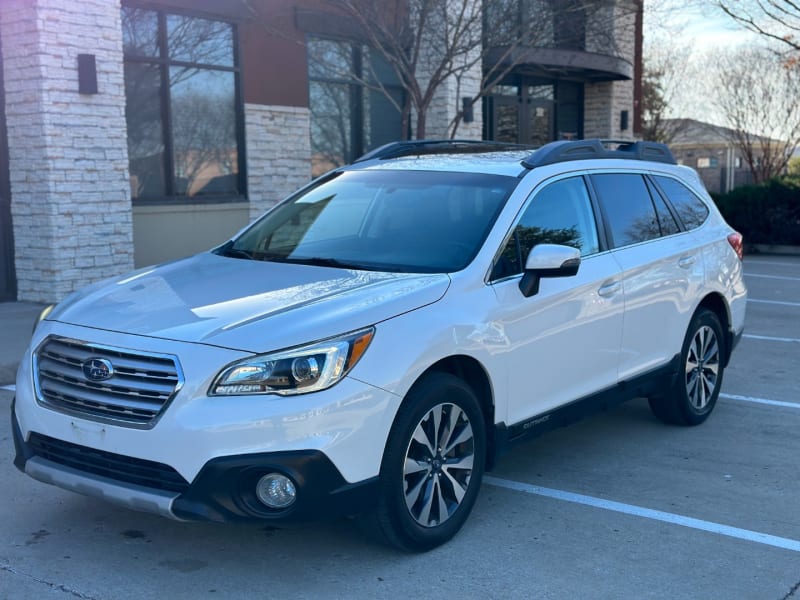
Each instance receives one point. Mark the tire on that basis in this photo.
(431, 473)
(696, 388)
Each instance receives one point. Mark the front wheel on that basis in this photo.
(696, 389)
(432, 466)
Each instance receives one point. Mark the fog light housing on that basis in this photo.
(276, 491)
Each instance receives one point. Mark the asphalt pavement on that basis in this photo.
(618, 506)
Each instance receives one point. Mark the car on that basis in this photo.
(374, 343)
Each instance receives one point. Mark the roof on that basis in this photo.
(471, 156)
(688, 132)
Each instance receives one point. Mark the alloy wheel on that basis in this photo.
(438, 464)
(702, 367)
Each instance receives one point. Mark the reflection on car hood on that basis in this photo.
(247, 305)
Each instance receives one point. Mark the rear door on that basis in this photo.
(662, 269)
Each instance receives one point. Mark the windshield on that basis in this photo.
(399, 221)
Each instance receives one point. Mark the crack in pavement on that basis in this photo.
(792, 591)
(51, 585)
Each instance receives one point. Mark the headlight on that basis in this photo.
(297, 371)
(43, 315)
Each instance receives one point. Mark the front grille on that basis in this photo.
(106, 464)
(141, 386)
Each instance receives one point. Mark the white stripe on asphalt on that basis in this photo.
(648, 513)
(768, 338)
(772, 277)
(761, 401)
(10, 388)
(774, 302)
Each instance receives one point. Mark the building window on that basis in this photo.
(703, 163)
(355, 101)
(183, 107)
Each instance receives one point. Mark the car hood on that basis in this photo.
(247, 305)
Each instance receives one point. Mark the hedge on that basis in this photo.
(768, 213)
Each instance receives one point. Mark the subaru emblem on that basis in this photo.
(97, 369)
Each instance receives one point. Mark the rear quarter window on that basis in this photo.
(691, 210)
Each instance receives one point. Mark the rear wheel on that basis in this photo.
(696, 389)
(432, 466)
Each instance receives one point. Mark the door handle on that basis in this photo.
(609, 289)
(686, 261)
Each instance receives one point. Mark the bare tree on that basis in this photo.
(666, 71)
(757, 94)
(777, 20)
(663, 81)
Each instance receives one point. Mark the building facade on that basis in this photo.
(138, 132)
(710, 150)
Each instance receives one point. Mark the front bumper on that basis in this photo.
(224, 490)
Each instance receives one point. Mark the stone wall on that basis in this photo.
(278, 146)
(68, 158)
(611, 30)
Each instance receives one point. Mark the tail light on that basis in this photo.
(736, 241)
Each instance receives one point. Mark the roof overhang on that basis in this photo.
(555, 63)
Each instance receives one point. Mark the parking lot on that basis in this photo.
(618, 506)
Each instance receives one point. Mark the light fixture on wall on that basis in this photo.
(466, 110)
(87, 74)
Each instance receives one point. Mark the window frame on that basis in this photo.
(356, 89)
(597, 217)
(164, 63)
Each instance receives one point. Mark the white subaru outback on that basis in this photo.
(373, 343)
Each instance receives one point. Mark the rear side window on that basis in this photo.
(628, 208)
(691, 210)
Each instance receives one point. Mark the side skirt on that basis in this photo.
(648, 384)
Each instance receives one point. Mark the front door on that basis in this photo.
(8, 280)
(525, 120)
(563, 343)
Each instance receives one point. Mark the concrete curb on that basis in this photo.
(778, 249)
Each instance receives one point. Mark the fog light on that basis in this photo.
(276, 491)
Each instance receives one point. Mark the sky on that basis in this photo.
(697, 28)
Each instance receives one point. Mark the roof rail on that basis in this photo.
(556, 152)
(419, 147)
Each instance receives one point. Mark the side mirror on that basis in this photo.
(548, 260)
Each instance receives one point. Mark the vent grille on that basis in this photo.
(105, 464)
(140, 387)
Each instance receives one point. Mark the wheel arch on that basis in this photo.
(473, 373)
(716, 303)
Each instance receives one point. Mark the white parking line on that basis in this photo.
(761, 401)
(10, 388)
(752, 262)
(648, 513)
(769, 338)
(772, 277)
(774, 302)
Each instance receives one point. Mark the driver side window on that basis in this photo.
(560, 213)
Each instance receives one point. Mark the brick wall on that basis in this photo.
(278, 145)
(68, 156)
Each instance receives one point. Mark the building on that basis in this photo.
(709, 150)
(140, 132)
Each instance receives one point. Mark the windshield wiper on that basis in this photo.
(319, 261)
